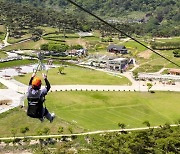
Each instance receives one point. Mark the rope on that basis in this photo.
(118, 30)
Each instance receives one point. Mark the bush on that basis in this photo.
(44, 47)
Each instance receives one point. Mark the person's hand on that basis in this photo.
(44, 75)
(33, 75)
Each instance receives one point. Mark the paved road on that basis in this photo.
(136, 85)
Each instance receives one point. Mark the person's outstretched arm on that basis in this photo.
(33, 75)
(48, 86)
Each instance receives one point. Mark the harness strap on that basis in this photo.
(31, 99)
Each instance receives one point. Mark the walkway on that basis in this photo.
(87, 133)
(8, 94)
(136, 85)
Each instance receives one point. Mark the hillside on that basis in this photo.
(167, 9)
(159, 17)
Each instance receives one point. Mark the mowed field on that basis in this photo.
(104, 110)
(78, 75)
(84, 111)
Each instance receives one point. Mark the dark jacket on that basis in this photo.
(36, 97)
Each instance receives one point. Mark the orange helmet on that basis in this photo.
(36, 82)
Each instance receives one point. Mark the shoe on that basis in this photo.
(53, 116)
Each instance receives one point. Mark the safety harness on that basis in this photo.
(35, 104)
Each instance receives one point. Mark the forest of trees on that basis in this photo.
(161, 18)
(165, 139)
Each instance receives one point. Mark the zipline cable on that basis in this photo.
(110, 25)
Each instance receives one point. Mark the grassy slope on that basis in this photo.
(2, 54)
(16, 119)
(98, 111)
(103, 110)
(12, 40)
(174, 39)
(133, 46)
(47, 30)
(155, 63)
(78, 75)
(26, 45)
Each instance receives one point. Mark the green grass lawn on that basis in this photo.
(16, 63)
(90, 111)
(2, 36)
(14, 40)
(132, 46)
(17, 119)
(48, 29)
(174, 39)
(78, 75)
(103, 110)
(26, 45)
(155, 62)
(148, 68)
(2, 54)
(2, 86)
(58, 36)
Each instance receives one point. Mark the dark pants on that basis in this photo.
(46, 114)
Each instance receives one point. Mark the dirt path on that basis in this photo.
(6, 38)
(87, 133)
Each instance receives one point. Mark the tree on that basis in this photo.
(44, 47)
(46, 131)
(60, 129)
(135, 74)
(167, 145)
(147, 123)
(77, 47)
(121, 125)
(70, 129)
(178, 122)
(23, 130)
(60, 69)
(149, 85)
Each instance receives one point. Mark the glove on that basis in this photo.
(33, 75)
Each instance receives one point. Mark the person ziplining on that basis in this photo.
(36, 96)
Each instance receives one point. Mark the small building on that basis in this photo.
(119, 64)
(79, 52)
(174, 71)
(117, 49)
